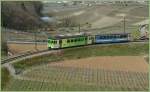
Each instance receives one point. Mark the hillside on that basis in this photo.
(101, 16)
(21, 14)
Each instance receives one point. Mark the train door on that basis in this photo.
(93, 39)
(49, 44)
(57, 45)
(90, 40)
(60, 43)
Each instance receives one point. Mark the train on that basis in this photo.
(58, 42)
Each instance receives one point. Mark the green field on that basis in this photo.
(5, 77)
(132, 49)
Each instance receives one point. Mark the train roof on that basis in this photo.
(113, 34)
(65, 37)
(74, 36)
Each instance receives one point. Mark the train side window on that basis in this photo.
(71, 40)
(68, 41)
(79, 39)
(85, 38)
(49, 41)
(121, 36)
(118, 36)
(110, 36)
(101, 37)
(114, 36)
(104, 37)
(54, 42)
(75, 40)
(125, 36)
(107, 37)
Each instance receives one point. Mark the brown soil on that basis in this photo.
(119, 63)
(22, 48)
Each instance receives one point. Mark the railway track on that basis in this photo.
(3, 61)
(43, 52)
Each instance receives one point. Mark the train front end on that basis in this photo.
(53, 43)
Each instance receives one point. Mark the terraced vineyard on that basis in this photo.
(67, 78)
(60, 76)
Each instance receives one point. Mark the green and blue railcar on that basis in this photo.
(79, 40)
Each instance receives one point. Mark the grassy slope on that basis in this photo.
(5, 77)
(83, 52)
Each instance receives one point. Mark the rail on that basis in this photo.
(6, 60)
